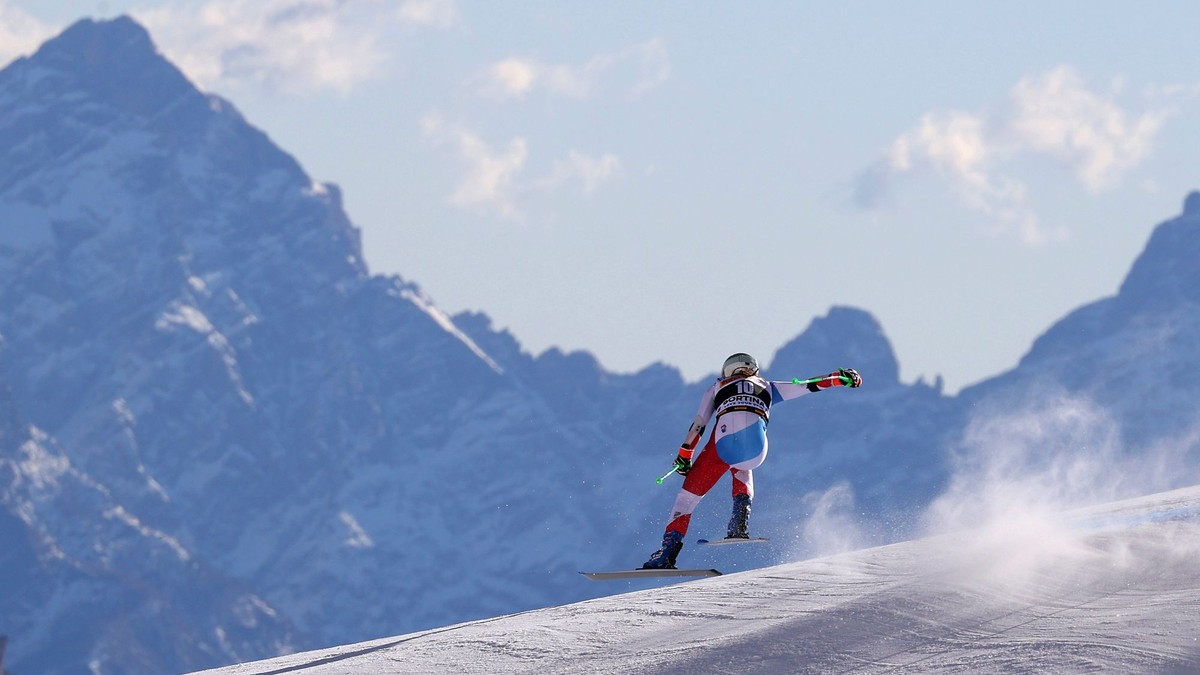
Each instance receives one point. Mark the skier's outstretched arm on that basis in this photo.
(844, 377)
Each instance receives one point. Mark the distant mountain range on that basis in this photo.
(219, 432)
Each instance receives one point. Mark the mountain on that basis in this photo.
(1112, 588)
(222, 438)
(1133, 356)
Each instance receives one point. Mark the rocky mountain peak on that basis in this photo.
(843, 338)
(1191, 204)
(1166, 272)
(106, 148)
(112, 62)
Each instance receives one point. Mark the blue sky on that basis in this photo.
(676, 181)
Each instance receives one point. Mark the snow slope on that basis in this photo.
(1113, 587)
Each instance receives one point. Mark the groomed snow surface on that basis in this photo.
(1114, 588)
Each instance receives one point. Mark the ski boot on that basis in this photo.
(664, 558)
(739, 522)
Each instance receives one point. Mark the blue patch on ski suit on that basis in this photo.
(740, 445)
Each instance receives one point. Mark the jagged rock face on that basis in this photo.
(221, 438)
(844, 338)
(1166, 273)
(1135, 354)
(208, 393)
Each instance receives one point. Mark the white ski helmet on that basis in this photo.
(739, 364)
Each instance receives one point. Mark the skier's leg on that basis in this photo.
(743, 482)
(704, 474)
(743, 494)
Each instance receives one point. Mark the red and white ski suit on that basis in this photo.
(738, 443)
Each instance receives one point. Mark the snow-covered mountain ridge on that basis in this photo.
(222, 438)
(1108, 588)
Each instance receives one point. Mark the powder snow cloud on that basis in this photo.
(1019, 469)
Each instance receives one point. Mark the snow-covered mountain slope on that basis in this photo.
(1113, 588)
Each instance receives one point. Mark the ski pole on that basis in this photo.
(665, 476)
(845, 380)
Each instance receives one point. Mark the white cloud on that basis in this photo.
(440, 13)
(489, 181)
(1051, 115)
(493, 179)
(512, 77)
(958, 147)
(1057, 115)
(590, 171)
(297, 46)
(490, 175)
(635, 69)
(20, 33)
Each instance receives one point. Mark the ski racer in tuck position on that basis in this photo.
(741, 401)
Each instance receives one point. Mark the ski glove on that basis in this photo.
(682, 465)
(852, 375)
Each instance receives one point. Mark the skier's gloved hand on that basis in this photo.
(852, 375)
(682, 465)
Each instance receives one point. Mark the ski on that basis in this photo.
(640, 573)
(732, 540)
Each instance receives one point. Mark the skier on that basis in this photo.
(741, 400)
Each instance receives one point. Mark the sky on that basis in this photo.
(676, 181)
